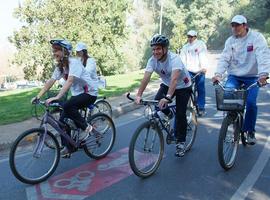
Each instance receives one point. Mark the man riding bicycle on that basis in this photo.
(193, 54)
(175, 81)
(246, 58)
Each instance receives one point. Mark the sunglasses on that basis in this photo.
(235, 25)
(189, 36)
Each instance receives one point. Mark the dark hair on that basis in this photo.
(85, 57)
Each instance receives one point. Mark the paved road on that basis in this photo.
(196, 176)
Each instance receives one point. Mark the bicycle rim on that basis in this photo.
(100, 143)
(146, 149)
(228, 143)
(191, 128)
(31, 161)
(102, 106)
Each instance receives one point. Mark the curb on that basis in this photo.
(117, 112)
(129, 106)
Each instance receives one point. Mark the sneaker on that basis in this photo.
(251, 138)
(180, 149)
(201, 112)
(85, 134)
(65, 153)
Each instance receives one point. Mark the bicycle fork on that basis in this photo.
(145, 148)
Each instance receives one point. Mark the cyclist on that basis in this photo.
(246, 58)
(175, 81)
(193, 55)
(83, 88)
(88, 62)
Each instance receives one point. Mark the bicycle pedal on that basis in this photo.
(66, 156)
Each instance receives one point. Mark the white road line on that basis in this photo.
(254, 174)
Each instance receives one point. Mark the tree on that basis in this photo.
(100, 24)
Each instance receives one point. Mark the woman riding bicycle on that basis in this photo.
(83, 88)
(88, 62)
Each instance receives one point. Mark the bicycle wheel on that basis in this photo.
(146, 149)
(228, 142)
(102, 106)
(191, 127)
(100, 143)
(30, 160)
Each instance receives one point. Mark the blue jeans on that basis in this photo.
(251, 107)
(200, 86)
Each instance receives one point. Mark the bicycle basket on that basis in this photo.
(230, 99)
(53, 93)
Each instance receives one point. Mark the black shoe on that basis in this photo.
(251, 138)
(180, 149)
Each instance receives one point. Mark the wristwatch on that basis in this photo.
(168, 97)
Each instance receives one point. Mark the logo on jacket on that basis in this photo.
(162, 71)
(250, 47)
(186, 80)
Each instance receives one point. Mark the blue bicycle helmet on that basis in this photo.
(63, 43)
(159, 40)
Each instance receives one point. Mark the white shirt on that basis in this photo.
(82, 81)
(194, 56)
(248, 56)
(165, 69)
(91, 67)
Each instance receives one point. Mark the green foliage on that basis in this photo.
(100, 24)
(267, 26)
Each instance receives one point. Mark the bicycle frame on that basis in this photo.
(48, 119)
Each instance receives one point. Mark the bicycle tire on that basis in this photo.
(192, 125)
(222, 137)
(133, 158)
(97, 139)
(101, 106)
(26, 144)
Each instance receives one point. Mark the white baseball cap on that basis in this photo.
(192, 33)
(239, 19)
(81, 46)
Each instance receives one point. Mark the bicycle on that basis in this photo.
(33, 145)
(150, 134)
(232, 101)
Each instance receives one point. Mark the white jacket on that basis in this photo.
(245, 57)
(194, 56)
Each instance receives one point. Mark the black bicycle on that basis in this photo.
(232, 101)
(146, 147)
(35, 154)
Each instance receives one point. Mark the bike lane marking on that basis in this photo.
(86, 180)
(244, 189)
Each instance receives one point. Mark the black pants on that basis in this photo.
(71, 110)
(182, 97)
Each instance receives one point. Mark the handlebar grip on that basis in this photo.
(130, 98)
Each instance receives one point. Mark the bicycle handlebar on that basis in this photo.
(256, 84)
(53, 104)
(143, 102)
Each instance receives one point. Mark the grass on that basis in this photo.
(15, 105)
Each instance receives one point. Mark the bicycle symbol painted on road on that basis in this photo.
(80, 181)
